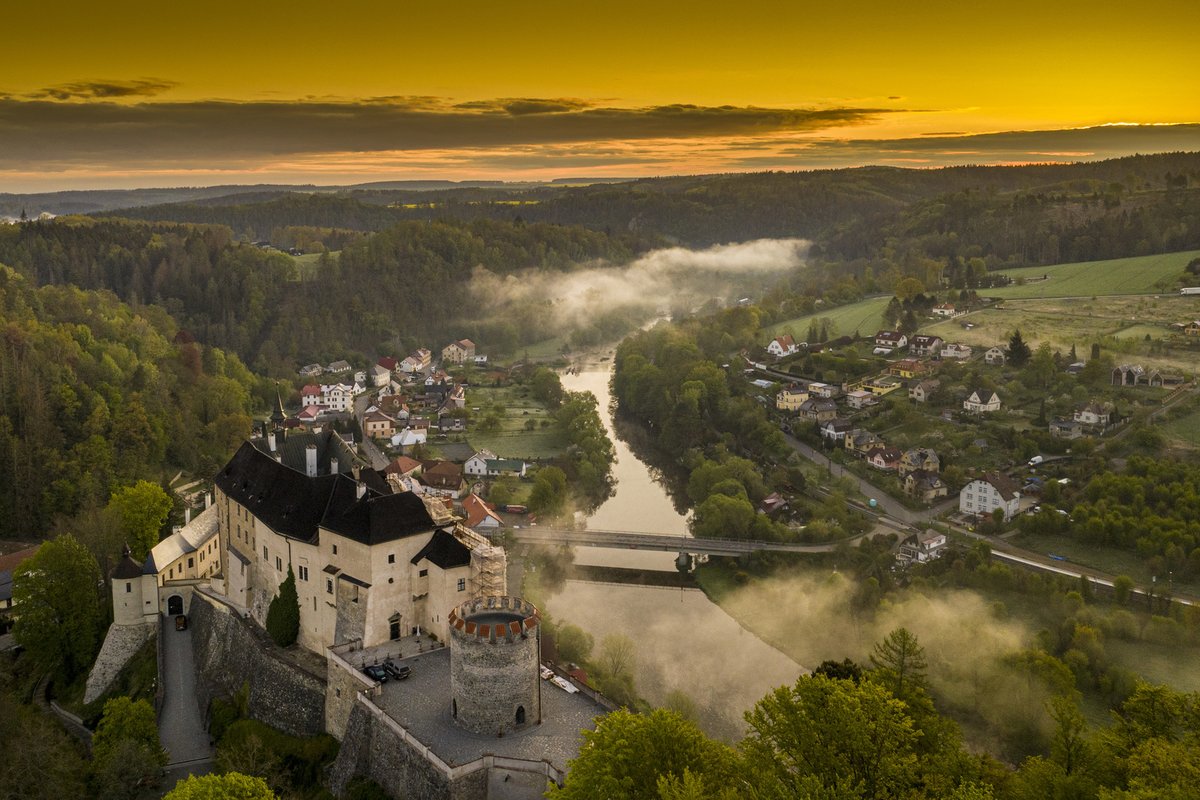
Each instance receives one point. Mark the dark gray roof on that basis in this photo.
(127, 568)
(295, 505)
(445, 551)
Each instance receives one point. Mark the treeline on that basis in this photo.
(671, 381)
(1153, 508)
(851, 731)
(94, 395)
(388, 293)
(587, 462)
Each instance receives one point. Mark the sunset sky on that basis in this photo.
(157, 94)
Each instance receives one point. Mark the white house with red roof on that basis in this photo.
(782, 346)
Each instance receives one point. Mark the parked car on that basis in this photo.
(397, 671)
(181, 622)
(375, 673)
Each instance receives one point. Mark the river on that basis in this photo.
(684, 640)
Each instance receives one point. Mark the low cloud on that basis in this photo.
(661, 280)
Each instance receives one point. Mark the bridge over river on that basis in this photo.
(629, 540)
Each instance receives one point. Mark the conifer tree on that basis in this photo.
(283, 616)
(1018, 351)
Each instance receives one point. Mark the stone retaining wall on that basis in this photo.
(230, 652)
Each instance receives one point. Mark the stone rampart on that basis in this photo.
(230, 652)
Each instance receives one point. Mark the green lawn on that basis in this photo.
(306, 265)
(1140, 332)
(1137, 275)
(512, 440)
(1105, 559)
(865, 316)
(1184, 431)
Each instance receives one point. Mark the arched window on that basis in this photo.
(520, 715)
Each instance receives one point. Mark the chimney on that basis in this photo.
(207, 499)
(271, 441)
(187, 515)
(310, 461)
(333, 466)
(360, 489)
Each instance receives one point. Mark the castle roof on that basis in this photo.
(445, 551)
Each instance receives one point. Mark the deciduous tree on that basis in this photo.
(58, 594)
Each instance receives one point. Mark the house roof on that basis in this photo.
(889, 336)
(444, 550)
(786, 341)
(401, 465)
(186, 540)
(477, 510)
(375, 518)
(127, 568)
(310, 390)
(921, 340)
(888, 453)
(505, 464)
(985, 396)
(8, 565)
(387, 362)
(1007, 488)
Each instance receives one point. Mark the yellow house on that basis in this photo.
(790, 398)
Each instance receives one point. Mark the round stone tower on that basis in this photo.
(495, 685)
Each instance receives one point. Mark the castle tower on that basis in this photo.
(495, 685)
(135, 598)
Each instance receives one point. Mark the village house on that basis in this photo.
(311, 370)
(882, 384)
(8, 565)
(338, 367)
(459, 352)
(961, 352)
(884, 457)
(981, 401)
(922, 547)
(944, 310)
(481, 361)
(920, 458)
(923, 345)
(377, 425)
(983, 495)
(409, 438)
(825, 390)
(995, 356)
(310, 395)
(892, 339)
(860, 398)
(448, 423)
(442, 479)
(380, 376)
(909, 368)
(404, 467)
(1094, 416)
(1065, 428)
(921, 391)
(479, 514)
(1192, 328)
(476, 465)
(924, 485)
(781, 346)
(419, 361)
(835, 430)
(860, 442)
(790, 397)
(393, 404)
(818, 410)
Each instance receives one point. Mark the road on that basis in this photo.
(181, 722)
(366, 447)
(889, 505)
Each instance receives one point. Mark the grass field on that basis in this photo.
(1141, 331)
(306, 265)
(512, 440)
(1138, 275)
(865, 316)
(1185, 431)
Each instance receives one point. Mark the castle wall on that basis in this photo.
(230, 652)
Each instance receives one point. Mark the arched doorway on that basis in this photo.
(520, 715)
(174, 605)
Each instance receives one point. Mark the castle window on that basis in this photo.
(391, 558)
(278, 564)
(303, 573)
(264, 552)
(329, 586)
(423, 573)
(520, 715)
(335, 549)
(462, 584)
(128, 586)
(191, 563)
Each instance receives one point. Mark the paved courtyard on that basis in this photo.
(181, 723)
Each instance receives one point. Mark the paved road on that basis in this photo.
(889, 505)
(181, 722)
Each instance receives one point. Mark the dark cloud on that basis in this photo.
(219, 133)
(104, 90)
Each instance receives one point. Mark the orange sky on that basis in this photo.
(187, 93)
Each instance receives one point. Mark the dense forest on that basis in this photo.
(387, 293)
(95, 394)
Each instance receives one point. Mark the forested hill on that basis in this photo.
(94, 394)
(853, 213)
(408, 281)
